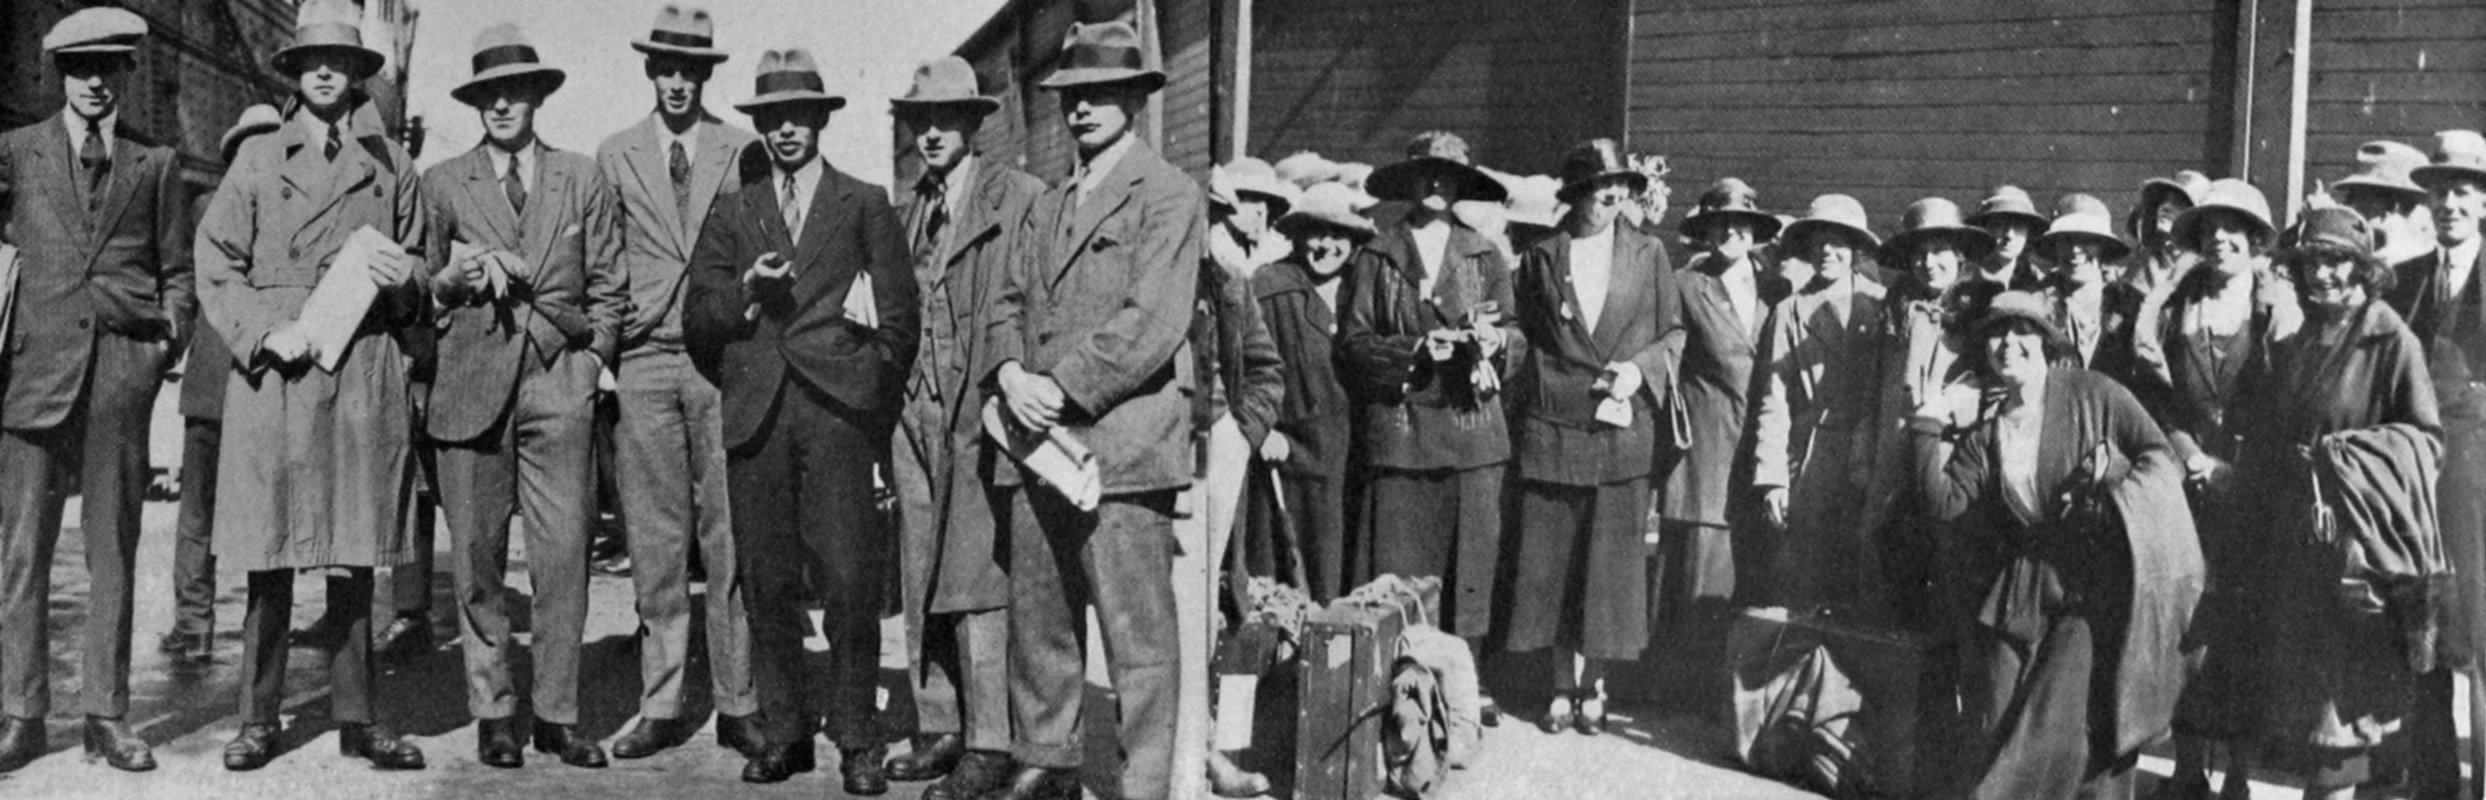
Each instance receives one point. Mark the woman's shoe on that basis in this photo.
(1592, 717)
(1558, 715)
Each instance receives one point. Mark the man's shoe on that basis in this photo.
(777, 762)
(325, 633)
(109, 740)
(616, 565)
(1038, 783)
(497, 743)
(978, 772)
(934, 756)
(378, 745)
(564, 741)
(863, 770)
(740, 734)
(1490, 714)
(21, 742)
(251, 748)
(651, 736)
(405, 638)
(191, 648)
(1225, 779)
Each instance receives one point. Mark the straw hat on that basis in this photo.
(1535, 200)
(255, 120)
(1931, 219)
(1229, 182)
(2187, 184)
(2082, 219)
(1729, 199)
(1832, 215)
(329, 26)
(2225, 196)
(682, 33)
(101, 29)
(1102, 53)
(2008, 204)
(948, 81)
(2385, 166)
(503, 54)
(1305, 168)
(2457, 155)
(789, 76)
(1332, 204)
(1433, 153)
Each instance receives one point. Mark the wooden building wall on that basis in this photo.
(2389, 69)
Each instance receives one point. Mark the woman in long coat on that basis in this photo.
(2349, 568)
(1596, 303)
(2066, 525)
(317, 471)
(1308, 446)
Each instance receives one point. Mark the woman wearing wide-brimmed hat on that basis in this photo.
(2159, 258)
(2341, 444)
(1814, 435)
(1308, 447)
(2074, 557)
(2096, 314)
(2009, 214)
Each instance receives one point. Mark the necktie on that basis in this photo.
(96, 158)
(936, 213)
(793, 212)
(681, 167)
(515, 187)
(335, 143)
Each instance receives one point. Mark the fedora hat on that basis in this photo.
(2008, 203)
(1594, 161)
(2332, 225)
(945, 82)
(789, 76)
(1535, 200)
(2021, 305)
(255, 120)
(100, 29)
(682, 33)
(2385, 166)
(1333, 204)
(1306, 168)
(503, 54)
(2457, 154)
(1105, 52)
(2082, 219)
(1229, 182)
(2225, 196)
(1832, 215)
(1931, 219)
(2187, 184)
(1729, 198)
(328, 26)
(1429, 154)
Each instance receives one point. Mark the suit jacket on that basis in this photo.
(1560, 439)
(574, 302)
(1099, 298)
(802, 333)
(1409, 417)
(2454, 332)
(1717, 379)
(656, 236)
(123, 270)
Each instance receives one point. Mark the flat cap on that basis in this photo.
(101, 29)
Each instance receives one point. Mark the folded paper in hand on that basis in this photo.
(336, 308)
(861, 307)
(1054, 456)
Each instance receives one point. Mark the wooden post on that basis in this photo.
(2300, 86)
(1242, 98)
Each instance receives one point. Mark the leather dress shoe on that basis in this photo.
(325, 633)
(777, 762)
(251, 748)
(1490, 714)
(1038, 783)
(864, 770)
(378, 745)
(21, 742)
(109, 740)
(740, 734)
(1592, 717)
(933, 756)
(651, 736)
(564, 741)
(405, 638)
(498, 744)
(1558, 716)
(978, 772)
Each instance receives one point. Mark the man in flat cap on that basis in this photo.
(801, 299)
(103, 300)
(961, 218)
(529, 311)
(668, 169)
(1088, 335)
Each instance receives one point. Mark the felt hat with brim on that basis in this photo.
(1935, 219)
(2458, 155)
(1432, 155)
(1594, 162)
(1251, 178)
(2384, 166)
(1729, 199)
(945, 82)
(1103, 53)
(789, 76)
(1832, 215)
(504, 55)
(2082, 219)
(2186, 184)
(2227, 196)
(329, 27)
(1535, 200)
(102, 29)
(1306, 168)
(2008, 204)
(2021, 306)
(2334, 226)
(685, 33)
(255, 120)
(1335, 205)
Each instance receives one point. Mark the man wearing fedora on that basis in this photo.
(103, 299)
(529, 315)
(667, 170)
(801, 299)
(316, 470)
(1088, 334)
(961, 218)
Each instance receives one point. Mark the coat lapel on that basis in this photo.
(1109, 197)
(711, 171)
(1710, 291)
(59, 168)
(497, 219)
(1623, 284)
(547, 204)
(815, 279)
(128, 161)
(649, 165)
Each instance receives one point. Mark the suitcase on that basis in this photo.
(1347, 655)
(1891, 667)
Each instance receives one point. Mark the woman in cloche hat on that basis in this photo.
(1308, 446)
(2094, 314)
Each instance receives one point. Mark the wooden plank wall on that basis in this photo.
(1354, 79)
(1891, 100)
(1187, 35)
(2392, 69)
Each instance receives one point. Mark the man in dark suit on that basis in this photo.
(801, 301)
(1089, 335)
(529, 310)
(961, 215)
(103, 297)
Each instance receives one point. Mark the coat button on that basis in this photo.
(82, 324)
(295, 254)
(286, 194)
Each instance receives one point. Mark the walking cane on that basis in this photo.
(1285, 535)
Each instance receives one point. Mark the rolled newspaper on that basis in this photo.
(1055, 457)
